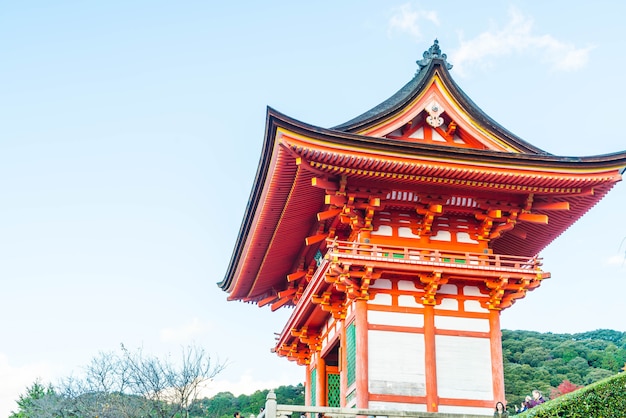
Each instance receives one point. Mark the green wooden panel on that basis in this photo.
(334, 390)
(351, 353)
(313, 387)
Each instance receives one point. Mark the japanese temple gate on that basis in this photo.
(398, 237)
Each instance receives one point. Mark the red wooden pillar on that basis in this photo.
(430, 359)
(497, 371)
(362, 375)
(343, 370)
(322, 396)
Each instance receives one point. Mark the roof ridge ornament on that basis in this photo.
(433, 52)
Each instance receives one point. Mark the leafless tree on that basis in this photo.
(133, 384)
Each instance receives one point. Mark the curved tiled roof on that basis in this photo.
(283, 204)
(432, 62)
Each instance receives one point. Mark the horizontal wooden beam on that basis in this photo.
(337, 200)
(327, 214)
(533, 218)
(279, 303)
(495, 213)
(324, 184)
(314, 239)
(435, 208)
(295, 276)
(266, 300)
(551, 206)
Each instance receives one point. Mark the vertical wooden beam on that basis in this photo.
(322, 395)
(497, 370)
(430, 359)
(362, 356)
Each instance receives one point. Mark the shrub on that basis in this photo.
(605, 398)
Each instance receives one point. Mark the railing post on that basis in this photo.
(270, 405)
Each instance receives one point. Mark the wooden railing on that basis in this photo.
(414, 255)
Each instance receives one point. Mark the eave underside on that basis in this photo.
(276, 246)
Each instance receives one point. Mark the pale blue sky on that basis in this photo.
(130, 133)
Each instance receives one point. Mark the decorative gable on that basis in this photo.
(436, 118)
(432, 109)
(434, 126)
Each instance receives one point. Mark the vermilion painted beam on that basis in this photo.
(279, 303)
(295, 276)
(335, 200)
(324, 184)
(314, 239)
(533, 218)
(267, 300)
(551, 205)
(327, 214)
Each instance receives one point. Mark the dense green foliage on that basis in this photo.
(605, 398)
(34, 394)
(224, 404)
(534, 360)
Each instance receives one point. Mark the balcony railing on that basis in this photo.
(429, 256)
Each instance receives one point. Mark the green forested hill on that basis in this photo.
(532, 360)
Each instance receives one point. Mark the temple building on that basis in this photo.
(398, 237)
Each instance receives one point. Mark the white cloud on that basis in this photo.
(617, 260)
(407, 20)
(15, 380)
(517, 37)
(185, 332)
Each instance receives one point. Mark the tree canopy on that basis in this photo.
(543, 361)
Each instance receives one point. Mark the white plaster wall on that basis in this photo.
(448, 304)
(396, 363)
(406, 232)
(464, 367)
(473, 306)
(448, 289)
(381, 284)
(472, 291)
(409, 301)
(395, 318)
(384, 230)
(407, 285)
(393, 406)
(383, 299)
(462, 324)
(442, 236)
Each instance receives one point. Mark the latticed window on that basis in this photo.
(351, 353)
(313, 387)
(334, 390)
